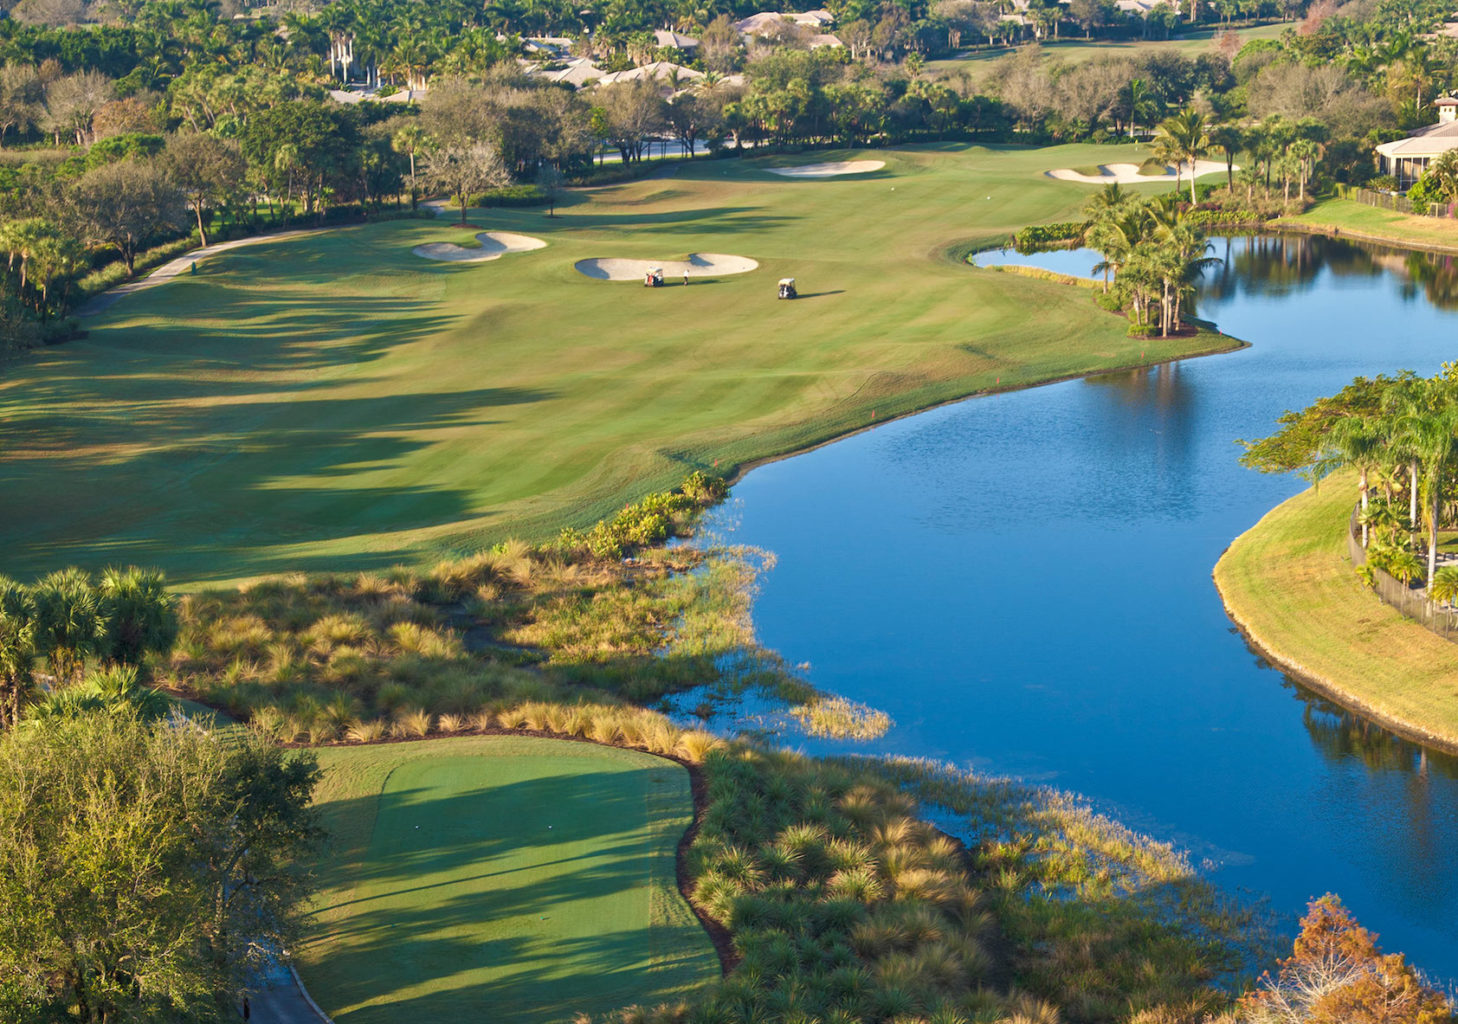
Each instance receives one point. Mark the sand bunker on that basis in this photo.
(699, 264)
(1128, 174)
(494, 245)
(829, 170)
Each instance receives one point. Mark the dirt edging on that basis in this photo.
(1326, 687)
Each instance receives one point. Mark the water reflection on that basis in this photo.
(1339, 735)
(1023, 583)
(1437, 273)
(1283, 265)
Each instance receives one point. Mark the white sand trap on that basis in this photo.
(1128, 174)
(699, 264)
(494, 245)
(829, 170)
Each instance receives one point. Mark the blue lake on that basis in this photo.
(1023, 582)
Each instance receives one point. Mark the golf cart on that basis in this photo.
(653, 278)
(787, 288)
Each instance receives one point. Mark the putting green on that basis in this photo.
(334, 402)
(508, 879)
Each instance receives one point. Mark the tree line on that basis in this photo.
(1400, 436)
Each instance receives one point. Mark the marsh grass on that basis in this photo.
(1109, 924)
(535, 628)
(839, 718)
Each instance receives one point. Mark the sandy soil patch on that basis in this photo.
(830, 170)
(699, 264)
(1128, 174)
(494, 245)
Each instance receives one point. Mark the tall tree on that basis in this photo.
(124, 205)
(151, 870)
(465, 169)
(207, 169)
(1187, 133)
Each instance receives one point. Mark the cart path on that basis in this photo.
(181, 265)
(285, 1001)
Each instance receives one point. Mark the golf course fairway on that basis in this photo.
(335, 403)
(510, 879)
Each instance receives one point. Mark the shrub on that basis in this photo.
(513, 196)
(1042, 236)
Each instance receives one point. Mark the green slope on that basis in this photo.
(508, 879)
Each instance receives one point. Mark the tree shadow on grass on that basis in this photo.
(464, 898)
(192, 482)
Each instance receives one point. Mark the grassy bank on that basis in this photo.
(1348, 218)
(530, 878)
(338, 403)
(1288, 583)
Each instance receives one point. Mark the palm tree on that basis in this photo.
(17, 648)
(1230, 139)
(1358, 441)
(69, 623)
(1433, 434)
(1187, 134)
(409, 139)
(141, 616)
(1444, 585)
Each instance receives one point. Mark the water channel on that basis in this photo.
(1023, 582)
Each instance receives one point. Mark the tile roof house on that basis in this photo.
(675, 40)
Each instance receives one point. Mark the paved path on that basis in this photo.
(284, 1001)
(167, 271)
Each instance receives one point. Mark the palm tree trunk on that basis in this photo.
(1433, 533)
(1412, 498)
(1362, 490)
(1192, 179)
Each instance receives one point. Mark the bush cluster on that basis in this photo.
(648, 522)
(1041, 236)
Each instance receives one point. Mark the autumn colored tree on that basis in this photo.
(1336, 974)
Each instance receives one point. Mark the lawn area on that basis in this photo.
(337, 403)
(1289, 583)
(1360, 221)
(1076, 51)
(500, 878)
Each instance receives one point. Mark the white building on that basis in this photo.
(1407, 159)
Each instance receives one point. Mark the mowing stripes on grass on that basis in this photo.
(510, 879)
(337, 403)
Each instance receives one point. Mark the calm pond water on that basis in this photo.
(1023, 583)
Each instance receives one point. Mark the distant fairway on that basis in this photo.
(503, 879)
(336, 402)
(1075, 50)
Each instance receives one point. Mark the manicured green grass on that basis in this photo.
(1076, 51)
(508, 879)
(1288, 581)
(337, 403)
(1358, 220)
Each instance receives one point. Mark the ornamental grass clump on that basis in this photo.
(510, 626)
